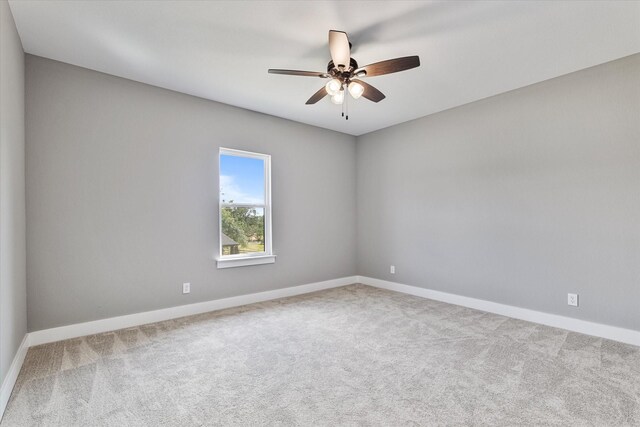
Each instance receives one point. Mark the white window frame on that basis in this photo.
(256, 258)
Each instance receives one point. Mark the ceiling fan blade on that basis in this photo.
(317, 96)
(389, 66)
(370, 92)
(298, 73)
(340, 48)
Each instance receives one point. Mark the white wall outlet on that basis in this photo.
(572, 299)
(186, 288)
(392, 269)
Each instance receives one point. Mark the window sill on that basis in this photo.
(245, 261)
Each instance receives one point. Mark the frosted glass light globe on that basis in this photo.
(338, 98)
(356, 89)
(333, 86)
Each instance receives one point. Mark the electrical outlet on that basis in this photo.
(572, 299)
(392, 269)
(186, 288)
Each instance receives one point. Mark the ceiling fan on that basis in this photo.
(346, 75)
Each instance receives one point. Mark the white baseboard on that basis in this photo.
(137, 319)
(12, 374)
(615, 333)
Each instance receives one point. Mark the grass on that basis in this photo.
(252, 247)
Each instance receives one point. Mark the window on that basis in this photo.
(245, 209)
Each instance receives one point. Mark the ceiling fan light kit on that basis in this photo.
(345, 77)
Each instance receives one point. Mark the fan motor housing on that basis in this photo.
(353, 65)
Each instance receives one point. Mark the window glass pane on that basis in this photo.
(241, 180)
(242, 230)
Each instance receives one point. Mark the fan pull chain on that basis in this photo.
(343, 100)
(346, 101)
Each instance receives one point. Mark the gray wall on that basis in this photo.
(122, 197)
(13, 310)
(517, 199)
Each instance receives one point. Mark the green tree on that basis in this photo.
(242, 224)
(232, 227)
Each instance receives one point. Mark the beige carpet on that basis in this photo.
(348, 356)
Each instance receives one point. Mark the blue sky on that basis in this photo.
(241, 179)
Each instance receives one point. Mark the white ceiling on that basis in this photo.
(221, 50)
